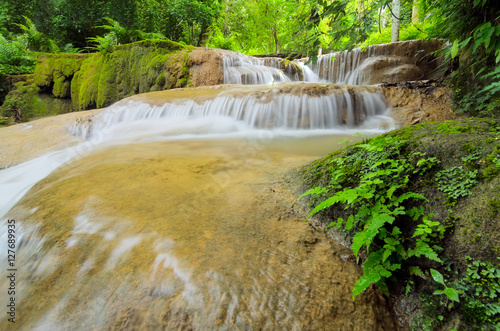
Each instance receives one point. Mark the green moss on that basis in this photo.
(468, 147)
(98, 80)
(54, 72)
(25, 103)
(127, 70)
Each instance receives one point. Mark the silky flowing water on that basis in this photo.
(144, 216)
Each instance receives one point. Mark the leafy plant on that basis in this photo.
(475, 295)
(36, 40)
(376, 199)
(118, 35)
(14, 58)
(450, 293)
(481, 293)
(105, 43)
(456, 182)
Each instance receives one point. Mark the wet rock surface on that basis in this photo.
(204, 236)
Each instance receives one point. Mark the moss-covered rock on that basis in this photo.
(25, 102)
(99, 79)
(73, 82)
(462, 189)
(54, 72)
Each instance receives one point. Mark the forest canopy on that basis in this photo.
(306, 27)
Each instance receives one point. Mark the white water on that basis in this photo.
(228, 113)
(338, 68)
(242, 69)
(346, 67)
(226, 116)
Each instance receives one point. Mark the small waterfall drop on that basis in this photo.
(242, 69)
(287, 107)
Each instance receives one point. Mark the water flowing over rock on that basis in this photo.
(242, 69)
(166, 210)
(281, 107)
(394, 62)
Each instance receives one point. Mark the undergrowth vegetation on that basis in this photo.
(400, 201)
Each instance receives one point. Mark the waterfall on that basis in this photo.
(168, 200)
(242, 69)
(355, 67)
(288, 106)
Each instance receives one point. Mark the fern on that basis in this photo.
(377, 200)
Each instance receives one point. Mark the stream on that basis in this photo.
(174, 210)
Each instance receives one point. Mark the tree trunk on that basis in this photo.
(414, 12)
(203, 38)
(396, 14)
(226, 11)
(275, 33)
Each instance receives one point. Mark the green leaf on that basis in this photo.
(422, 248)
(415, 270)
(377, 221)
(316, 190)
(396, 231)
(363, 282)
(409, 195)
(350, 222)
(358, 241)
(386, 255)
(452, 294)
(348, 195)
(454, 49)
(437, 276)
(372, 276)
(325, 204)
(338, 224)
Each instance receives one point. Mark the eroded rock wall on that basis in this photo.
(419, 104)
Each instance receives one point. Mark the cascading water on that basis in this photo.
(288, 107)
(356, 67)
(242, 69)
(165, 214)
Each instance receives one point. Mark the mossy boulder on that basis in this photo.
(74, 82)
(24, 102)
(462, 191)
(54, 72)
(100, 79)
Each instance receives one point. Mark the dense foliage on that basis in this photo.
(403, 201)
(306, 27)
